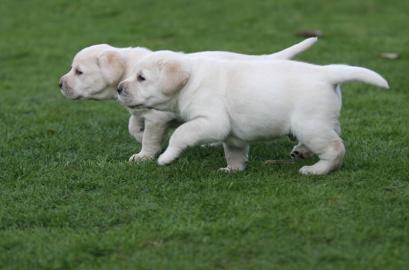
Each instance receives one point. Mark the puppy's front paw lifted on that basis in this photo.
(138, 157)
(167, 157)
(313, 170)
(164, 160)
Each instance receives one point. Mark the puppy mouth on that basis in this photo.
(140, 106)
(67, 94)
(130, 105)
(136, 106)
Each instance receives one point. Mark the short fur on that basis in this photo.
(103, 66)
(238, 102)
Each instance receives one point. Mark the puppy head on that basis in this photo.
(95, 73)
(156, 81)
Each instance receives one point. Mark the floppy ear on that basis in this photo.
(174, 76)
(112, 66)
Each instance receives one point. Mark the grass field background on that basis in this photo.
(70, 200)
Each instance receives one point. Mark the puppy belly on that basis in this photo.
(261, 130)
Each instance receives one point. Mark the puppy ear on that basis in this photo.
(174, 76)
(112, 66)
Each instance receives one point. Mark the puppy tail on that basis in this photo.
(294, 50)
(338, 74)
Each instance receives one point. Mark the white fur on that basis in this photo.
(104, 66)
(238, 102)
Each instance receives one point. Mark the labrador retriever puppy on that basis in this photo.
(96, 71)
(237, 102)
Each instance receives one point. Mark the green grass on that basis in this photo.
(70, 200)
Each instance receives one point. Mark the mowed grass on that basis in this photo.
(70, 200)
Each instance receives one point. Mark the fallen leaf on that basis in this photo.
(389, 55)
(309, 33)
(278, 161)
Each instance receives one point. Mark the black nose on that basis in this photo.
(60, 84)
(120, 89)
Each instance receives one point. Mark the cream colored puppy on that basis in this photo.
(238, 102)
(97, 70)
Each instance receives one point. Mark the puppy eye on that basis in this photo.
(140, 78)
(78, 72)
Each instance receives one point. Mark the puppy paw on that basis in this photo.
(138, 157)
(311, 170)
(301, 152)
(165, 159)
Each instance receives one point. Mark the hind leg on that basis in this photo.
(301, 151)
(329, 148)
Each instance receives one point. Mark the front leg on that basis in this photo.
(197, 131)
(136, 126)
(155, 124)
(151, 141)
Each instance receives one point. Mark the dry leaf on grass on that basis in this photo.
(309, 33)
(389, 55)
(279, 161)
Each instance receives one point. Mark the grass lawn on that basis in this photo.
(70, 200)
